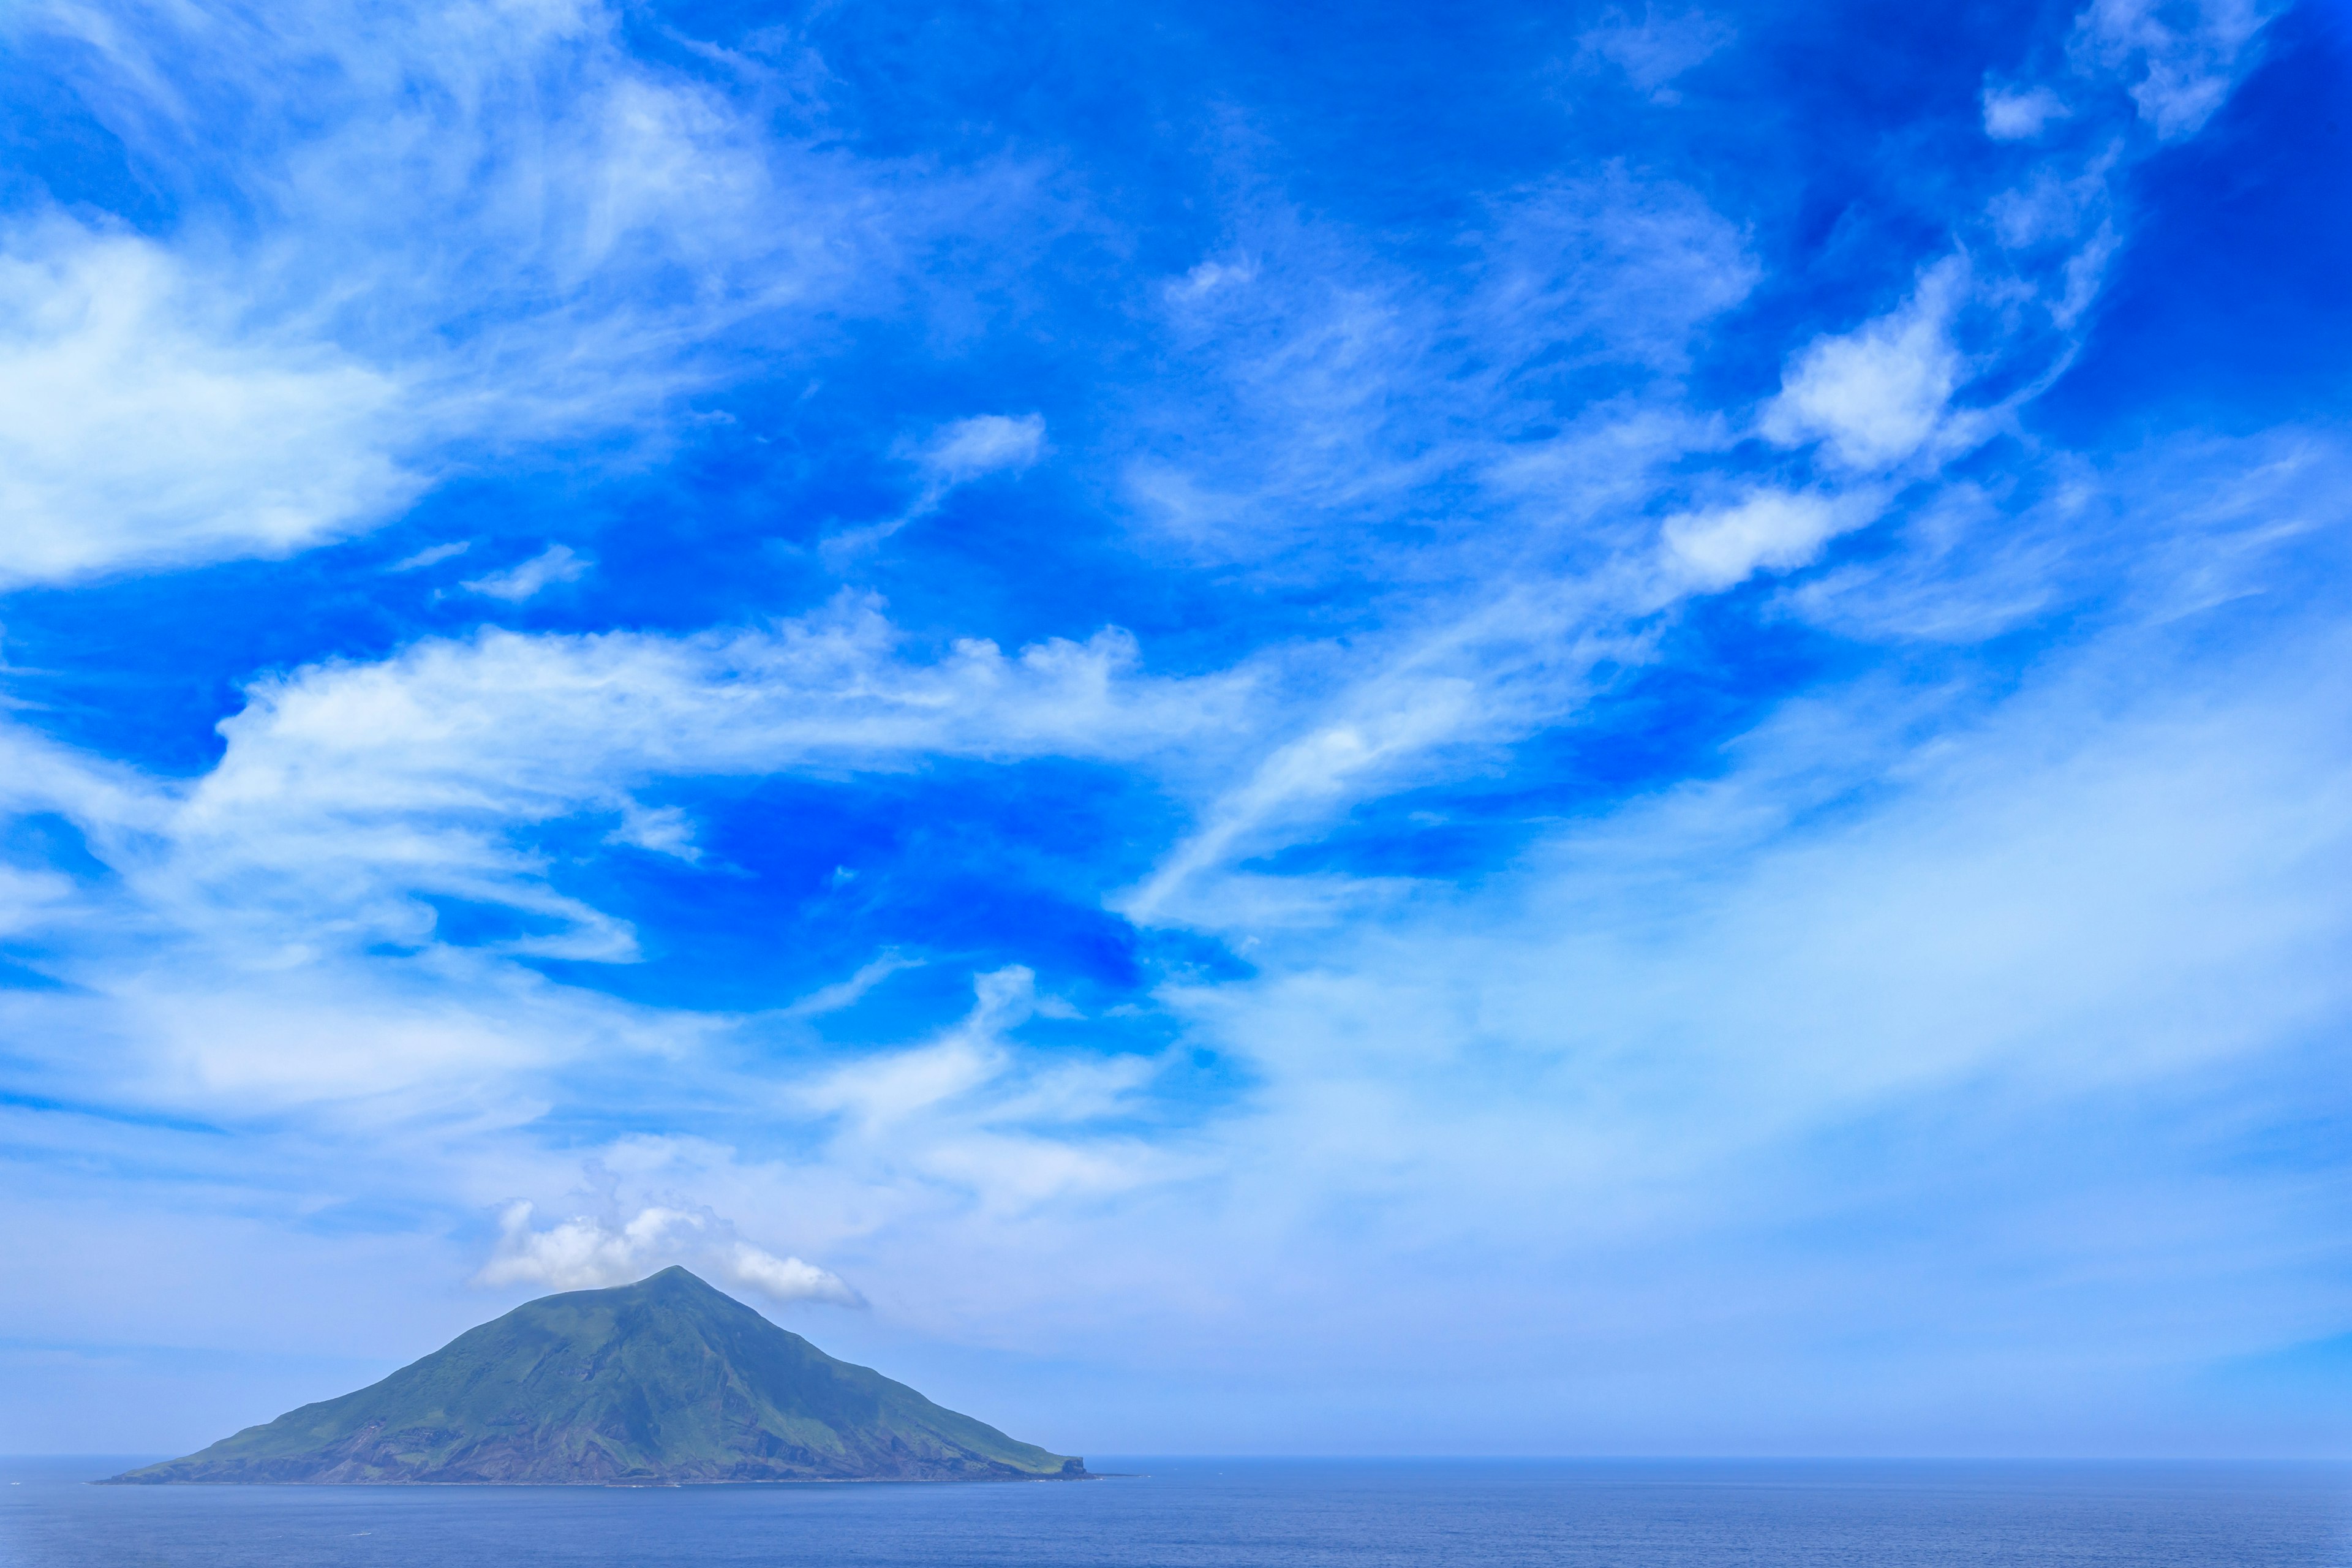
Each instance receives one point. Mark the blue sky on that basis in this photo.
(1390, 728)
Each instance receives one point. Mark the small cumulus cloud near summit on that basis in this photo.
(587, 1254)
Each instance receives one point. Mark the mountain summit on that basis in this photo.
(661, 1381)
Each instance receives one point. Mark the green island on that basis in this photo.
(665, 1382)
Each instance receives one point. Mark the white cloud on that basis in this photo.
(585, 1254)
(505, 723)
(430, 556)
(1606, 271)
(2052, 205)
(787, 1279)
(1208, 276)
(664, 830)
(1659, 48)
(846, 993)
(2020, 115)
(1877, 395)
(955, 456)
(985, 444)
(29, 898)
(144, 421)
(556, 564)
(882, 1089)
(239, 1011)
(1340, 389)
(1383, 729)
(891, 1086)
(973, 1120)
(2178, 60)
(1769, 529)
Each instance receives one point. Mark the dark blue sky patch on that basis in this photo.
(804, 883)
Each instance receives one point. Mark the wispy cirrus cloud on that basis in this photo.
(2179, 63)
(955, 454)
(1662, 45)
(556, 564)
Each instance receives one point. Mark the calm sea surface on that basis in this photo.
(1218, 1512)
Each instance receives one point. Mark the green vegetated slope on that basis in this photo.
(664, 1380)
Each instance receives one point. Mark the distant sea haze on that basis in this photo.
(1237, 1513)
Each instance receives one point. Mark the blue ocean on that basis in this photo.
(1229, 1513)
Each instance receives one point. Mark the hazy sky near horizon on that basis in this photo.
(1222, 728)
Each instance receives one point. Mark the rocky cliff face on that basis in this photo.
(663, 1382)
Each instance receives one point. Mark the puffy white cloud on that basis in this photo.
(1877, 395)
(985, 443)
(1208, 276)
(2020, 115)
(586, 1254)
(786, 1278)
(1769, 529)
